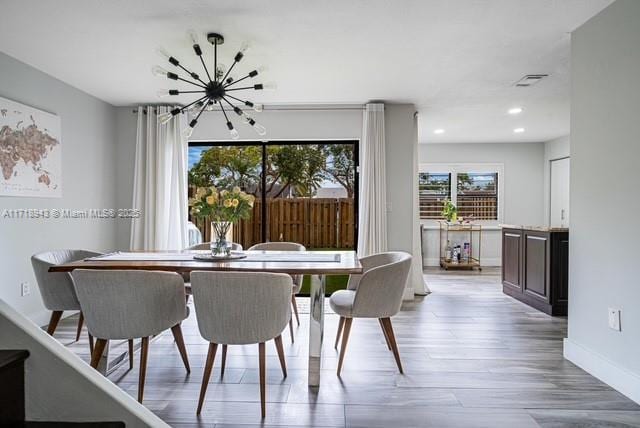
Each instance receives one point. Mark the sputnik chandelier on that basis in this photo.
(214, 89)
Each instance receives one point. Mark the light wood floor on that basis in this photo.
(472, 356)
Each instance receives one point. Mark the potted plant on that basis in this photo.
(223, 208)
(449, 211)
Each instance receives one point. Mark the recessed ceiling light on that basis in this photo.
(518, 130)
(515, 110)
(439, 131)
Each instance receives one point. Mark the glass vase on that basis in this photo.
(220, 246)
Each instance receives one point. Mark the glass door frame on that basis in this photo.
(263, 177)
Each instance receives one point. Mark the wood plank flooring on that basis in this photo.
(472, 356)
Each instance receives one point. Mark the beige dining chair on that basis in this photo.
(129, 304)
(241, 308)
(376, 293)
(297, 279)
(201, 246)
(57, 288)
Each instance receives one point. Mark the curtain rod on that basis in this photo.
(292, 108)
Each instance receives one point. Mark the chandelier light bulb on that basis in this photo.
(270, 86)
(262, 69)
(163, 93)
(210, 106)
(261, 130)
(193, 36)
(187, 132)
(245, 46)
(159, 71)
(258, 107)
(163, 54)
(234, 134)
(165, 118)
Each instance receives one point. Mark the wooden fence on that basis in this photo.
(313, 222)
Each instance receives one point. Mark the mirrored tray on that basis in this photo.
(208, 257)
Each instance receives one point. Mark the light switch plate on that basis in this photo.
(25, 289)
(614, 319)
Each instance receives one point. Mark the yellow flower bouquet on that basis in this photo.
(223, 208)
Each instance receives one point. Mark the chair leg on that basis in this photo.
(211, 355)
(53, 322)
(386, 338)
(80, 322)
(186, 298)
(291, 329)
(280, 349)
(130, 354)
(340, 325)
(261, 352)
(144, 353)
(90, 344)
(295, 307)
(224, 360)
(97, 352)
(392, 341)
(345, 339)
(177, 335)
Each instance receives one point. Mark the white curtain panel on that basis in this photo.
(372, 228)
(160, 183)
(416, 276)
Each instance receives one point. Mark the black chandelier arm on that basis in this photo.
(194, 102)
(240, 89)
(215, 60)
(236, 109)
(225, 113)
(229, 70)
(202, 110)
(189, 81)
(237, 81)
(192, 74)
(205, 67)
(191, 92)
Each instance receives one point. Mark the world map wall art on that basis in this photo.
(30, 151)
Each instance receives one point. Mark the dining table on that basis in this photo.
(317, 264)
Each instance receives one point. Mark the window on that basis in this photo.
(477, 195)
(433, 190)
(475, 189)
(306, 191)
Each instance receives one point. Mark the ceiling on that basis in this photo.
(456, 60)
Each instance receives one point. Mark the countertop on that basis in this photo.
(535, 228)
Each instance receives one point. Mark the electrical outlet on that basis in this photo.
(614, 319)
(25, 289)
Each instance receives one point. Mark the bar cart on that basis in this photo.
(460, 245)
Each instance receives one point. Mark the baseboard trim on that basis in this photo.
(618, 378)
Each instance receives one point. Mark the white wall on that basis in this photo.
(59, 386)
(553, 149)
(605, 65)
(88, 175)
(523, 188)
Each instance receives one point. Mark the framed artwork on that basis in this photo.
(30, 151)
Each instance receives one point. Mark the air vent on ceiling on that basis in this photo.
(530, 80)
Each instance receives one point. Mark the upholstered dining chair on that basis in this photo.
(297, 279)
(127, 305)
(376, 293)
(201, 246)
(241, 308)
(56, 288)
(207, 245)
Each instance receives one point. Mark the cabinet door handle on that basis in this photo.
(562, 214)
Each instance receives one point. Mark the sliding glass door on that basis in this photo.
(306, 191)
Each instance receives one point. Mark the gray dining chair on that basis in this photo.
(376, 293)
(297, 279)
(57, 288)
(241, 308)
(207, 245)
(201, 246)
(127, 305)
